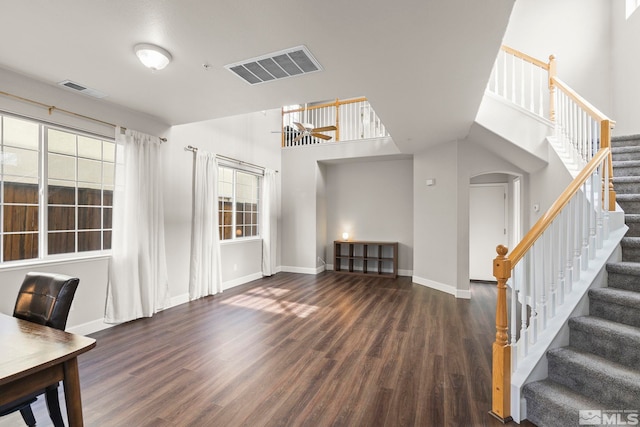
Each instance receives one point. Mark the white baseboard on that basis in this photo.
(90, 327)
(241, 281)
(458, 293)
(303, 270)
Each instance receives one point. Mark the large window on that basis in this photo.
(238, 203)
(57, 188)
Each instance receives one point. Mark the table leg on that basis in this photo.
(72, 393)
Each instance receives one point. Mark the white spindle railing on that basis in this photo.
(545, 275)
(522, 80)
(354, 119)
(544, 266)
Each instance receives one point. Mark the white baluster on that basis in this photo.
(605, 189)
(524, 267)
(562, 258)
(577, 247)
(593, 193)
(570, 246)
(584, 223)
(553, 254)
(533, 320)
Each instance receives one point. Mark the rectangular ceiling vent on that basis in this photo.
(274, 66)
(82, 89)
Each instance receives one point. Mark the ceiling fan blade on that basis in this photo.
(325, 129)
(299, 126)
(321, 136)
(297, 138)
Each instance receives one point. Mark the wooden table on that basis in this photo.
(34, 356)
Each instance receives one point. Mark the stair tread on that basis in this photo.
(594, 324)
(632, 217)
(628, 197)
(624, 267)
(625, 138)
(558, 394)
(621, 297)
(625, 149)
(597, 365)
(625, 179)
(625, 163)
(631, 241)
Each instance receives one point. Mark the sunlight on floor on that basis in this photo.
(264, 300)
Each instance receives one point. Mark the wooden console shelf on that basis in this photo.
(366, 258)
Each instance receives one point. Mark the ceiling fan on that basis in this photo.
(305, 129)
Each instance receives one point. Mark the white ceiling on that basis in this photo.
(423, 64)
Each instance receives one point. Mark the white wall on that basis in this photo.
(372, 200)
(577, 33)
(303, 216)
(88, 308)
(246, 137)
(625, 63)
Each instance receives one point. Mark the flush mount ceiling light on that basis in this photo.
(152, 56)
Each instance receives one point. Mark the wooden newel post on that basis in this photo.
(501, 374)
(552, 88)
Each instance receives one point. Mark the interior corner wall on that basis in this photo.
(625, 64)
(245, 137)
(372, 200)
(321, 215)
(578, 33)
(435, 217)
(301, 177)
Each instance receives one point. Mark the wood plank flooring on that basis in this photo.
(298, 350)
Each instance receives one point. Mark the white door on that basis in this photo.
(487, 227)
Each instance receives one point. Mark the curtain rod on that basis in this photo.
(242, 162)
(52, 108)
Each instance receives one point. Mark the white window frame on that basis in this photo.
(249, 171)
(43, 204)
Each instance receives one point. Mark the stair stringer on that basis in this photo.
(512, 133)
(534, 366)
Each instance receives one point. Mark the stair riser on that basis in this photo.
(630, 206)
(545, 412)
(606, 345)
(627, 187)
(624, 281)
(593, 384)
(626, 171)
(634, 229)
(633, 155)
(614, 312)
(631, 254)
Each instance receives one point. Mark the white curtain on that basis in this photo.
(205, 276)
(138, 284)
(269, 223)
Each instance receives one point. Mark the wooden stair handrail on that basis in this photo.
(525, 57)
(545, 220)
(586, 106)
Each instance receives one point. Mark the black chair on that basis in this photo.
(44, 299)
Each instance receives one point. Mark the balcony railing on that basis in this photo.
(353, 119)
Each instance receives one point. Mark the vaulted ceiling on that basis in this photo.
(423, 64)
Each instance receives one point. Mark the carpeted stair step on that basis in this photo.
(625, 141)
(630, 249)
(624, 275)
(606, 339)
(633, 222)
(550, 404)
(629, 202)
(595, 377)
(625, 153)
(618, 305)
(626, 168)
(627, 184)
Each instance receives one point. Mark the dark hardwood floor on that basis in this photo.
(298, 350)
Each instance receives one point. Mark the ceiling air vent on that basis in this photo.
(274, 66)
(82, 89)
